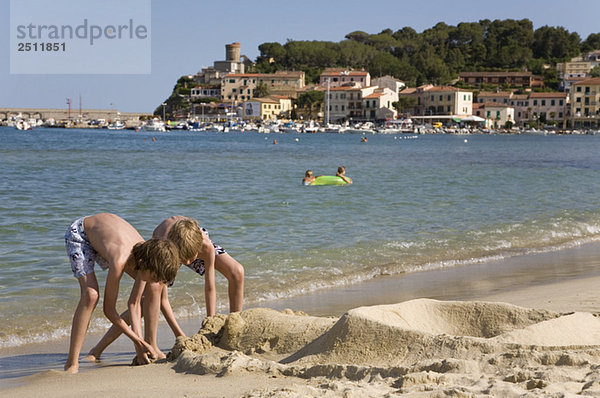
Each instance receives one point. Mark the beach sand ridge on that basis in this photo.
(424, 347)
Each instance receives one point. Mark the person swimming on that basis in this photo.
(308, 177)
(341, 172)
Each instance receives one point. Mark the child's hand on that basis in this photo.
(145, 353)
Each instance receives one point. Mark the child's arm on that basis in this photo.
(135, 310)
(210, 291)
(167, 311)
(110, 307)
(347, 179)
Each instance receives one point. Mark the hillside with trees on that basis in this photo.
(437, 54)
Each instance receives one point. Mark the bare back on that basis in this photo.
(163, 228)
(113, 238)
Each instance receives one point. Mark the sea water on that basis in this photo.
(417, 203)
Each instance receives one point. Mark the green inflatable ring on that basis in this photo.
(328, 180)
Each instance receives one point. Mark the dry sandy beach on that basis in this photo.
(481, 338)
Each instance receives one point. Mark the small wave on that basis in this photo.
(51, 335)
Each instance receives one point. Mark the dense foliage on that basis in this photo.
(436, 55)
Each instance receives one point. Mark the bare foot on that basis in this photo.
(92, 358)
(72, 369)
(160, 355)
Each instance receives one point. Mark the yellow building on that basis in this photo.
(585, 103)
(269, 108)
(446, 100)
(439, 100)
(573, 69)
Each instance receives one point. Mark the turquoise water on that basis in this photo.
(422, 203)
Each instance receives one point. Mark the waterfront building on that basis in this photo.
(267, 108)
(585, 103)
(520, 103)
(502, 97)
(497, 115)
(353, 103)
(547, 107)
(378, 104)
(511, 79)
(438, 102)
(241, 86)
(338, 77)
(446, 100)
(346, 102)
(530, 107)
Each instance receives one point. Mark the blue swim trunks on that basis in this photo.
(80, 251)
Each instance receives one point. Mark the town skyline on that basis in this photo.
(174, 30)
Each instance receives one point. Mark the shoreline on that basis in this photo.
(532, 281)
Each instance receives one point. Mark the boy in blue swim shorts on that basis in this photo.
(112, 243)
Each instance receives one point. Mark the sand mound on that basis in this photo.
(422, 345)
(403, 333)
(257, 330)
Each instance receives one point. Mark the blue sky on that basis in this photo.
(187, 35)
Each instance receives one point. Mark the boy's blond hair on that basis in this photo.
(159, 256)
(187, 236)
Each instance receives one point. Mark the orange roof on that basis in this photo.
(409, 90)
(548, 95)
(592, 82)
(264, 100)
(443, 89)
(575, 79)
(494, 105)
(473, 74)
(345, 88)
(243, 75)
(375, 95)
(494, 94)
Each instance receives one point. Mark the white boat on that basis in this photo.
(154, 125)
(22, 125)
(334, 128)
(117, 125)
(389, 130)
(311, 127)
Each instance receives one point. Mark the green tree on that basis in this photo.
(551, 80)
(508, 43)
(595, 72)
(555, 44)
(354, 54)
(261, 90)
(383, 41)
(311, 100)
(592, 42)
(405, 104)
(358, 36)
